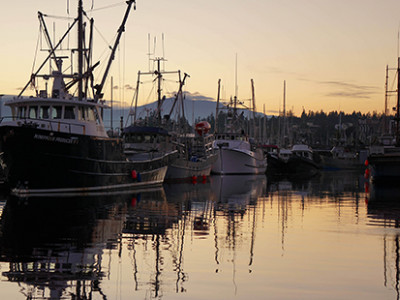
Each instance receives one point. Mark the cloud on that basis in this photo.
(349, 90)
(343, 89)
(273, 111)
(196, 96)
(127, 87)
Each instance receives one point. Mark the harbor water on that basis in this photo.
(332, 236)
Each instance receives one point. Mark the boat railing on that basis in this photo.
(52, 125)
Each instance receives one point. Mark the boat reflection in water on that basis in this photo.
(235, 192)
(383, 204)
(80, 247)
(54, 246)
(225, 237)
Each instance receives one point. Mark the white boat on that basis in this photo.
(236, 153)
(56, 141)
(237, 156)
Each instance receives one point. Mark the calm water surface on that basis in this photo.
(233, 237)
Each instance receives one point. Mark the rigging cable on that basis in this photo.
(109, 6)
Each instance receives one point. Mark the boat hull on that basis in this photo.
(182, 169)
(299, 166)
(238, 161)
(384, 168)
(276, 165)
(39, 160)
(341, 163)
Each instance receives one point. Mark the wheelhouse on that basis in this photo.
(80, 117)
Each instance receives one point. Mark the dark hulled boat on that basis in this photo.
(57, 142)
(303, 161)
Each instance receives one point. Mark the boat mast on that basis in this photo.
(121, 29)
(216, 111)
(386, 98)
(179, 94)
(51, 53)
(80, 50)
(284, 113)
(254, 109)
(136, 97)
(398, 103)
(234, 118)
(265, 126)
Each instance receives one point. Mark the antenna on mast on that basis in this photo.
(236, 87)
(154, 51)
(163, 52)
(148, 48)
(398, 29)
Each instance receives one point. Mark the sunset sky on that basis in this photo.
(331, 53)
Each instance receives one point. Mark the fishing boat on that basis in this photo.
(303, 161)
(277, 161)
(146, 143)
(56, 140)
(189, 155)
(383, 161)
(237, 152)
(340, 158)
(196, 155)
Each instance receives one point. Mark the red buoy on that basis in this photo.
(366, 162)
(366, 187)
(134, 174)
(202, 128)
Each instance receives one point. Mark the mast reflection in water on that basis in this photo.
(242, 237)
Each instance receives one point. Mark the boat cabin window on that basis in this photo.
(21, 112)
(148, 138)
(56, 94)
(81, 113)
(33, 112)
(128, 138)
(134, 138)
(97, 116)
(69, 112)
(91, 115)
(56, 112)
(44, 112)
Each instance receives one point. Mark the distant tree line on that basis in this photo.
(317, 129)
